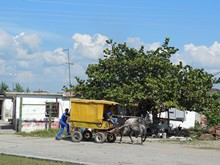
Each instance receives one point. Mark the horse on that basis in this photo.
(135, 125)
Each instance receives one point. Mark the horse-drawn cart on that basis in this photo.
(87, 120)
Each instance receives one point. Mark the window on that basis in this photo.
(54, 110)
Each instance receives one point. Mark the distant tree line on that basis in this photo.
(17, 88)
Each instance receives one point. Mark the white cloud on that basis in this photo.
(56, 73)
(5, 40)
(23, 64)
(90, 47)
(204, 55)
(25, 76)
(20, 46)
(55, 57)
(28, 41)
(176, 58)
(32, 40)
(78, 70)
(136, 43)
(2, 66)
(7, 45)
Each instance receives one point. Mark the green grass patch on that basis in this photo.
(206, 147)
(41, 133)
(18, 160)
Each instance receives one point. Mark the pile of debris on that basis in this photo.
(215, 131)
(213, 134)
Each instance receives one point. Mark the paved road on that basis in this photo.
(151, 153)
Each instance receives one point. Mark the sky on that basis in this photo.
(38, 36)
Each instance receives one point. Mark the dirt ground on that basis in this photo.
(152, 152)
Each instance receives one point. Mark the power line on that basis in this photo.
(88, 4)
(97, 13)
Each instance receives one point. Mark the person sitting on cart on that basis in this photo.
(63, 124)
(109, 117)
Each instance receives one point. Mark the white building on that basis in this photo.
(184, 119)
(30, 111)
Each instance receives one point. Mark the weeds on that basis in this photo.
(41, 133)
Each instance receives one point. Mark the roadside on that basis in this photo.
(153, 152)
(6, 127)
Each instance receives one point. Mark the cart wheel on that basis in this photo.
(87, 135)
(99, 137)
(76, 136)
(111, 137)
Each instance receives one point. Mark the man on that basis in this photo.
(114, 121)
(63, 124)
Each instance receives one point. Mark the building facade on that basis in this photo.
(33, 111)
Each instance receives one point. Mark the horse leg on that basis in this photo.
(122, 132)
(141, 139)
(130, 134)
(145, 136)
(121, 138)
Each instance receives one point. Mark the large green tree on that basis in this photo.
(130, 76)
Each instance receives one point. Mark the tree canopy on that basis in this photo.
(129, 76)
(4, 87)
(18, 88)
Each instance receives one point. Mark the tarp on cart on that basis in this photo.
(89, 111)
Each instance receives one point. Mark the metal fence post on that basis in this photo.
(20, 115)
(50, 109)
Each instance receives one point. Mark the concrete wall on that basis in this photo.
(34, 110)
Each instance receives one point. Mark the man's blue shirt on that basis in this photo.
(64, 117)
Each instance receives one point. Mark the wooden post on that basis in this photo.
(20, 115)
(168, 121)
(50, 109)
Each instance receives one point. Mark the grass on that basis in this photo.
(206, 147)
(41, 133)
(18, 160)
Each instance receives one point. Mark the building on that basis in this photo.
(32, 111)
(183, 119)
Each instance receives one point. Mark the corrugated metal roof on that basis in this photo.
(94, 101)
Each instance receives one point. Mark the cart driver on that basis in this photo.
(109, 117)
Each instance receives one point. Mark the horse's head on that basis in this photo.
(146, 119)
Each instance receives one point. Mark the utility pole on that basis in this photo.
(13, 79)
(68, 63)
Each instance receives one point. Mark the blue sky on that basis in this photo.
(34, 33)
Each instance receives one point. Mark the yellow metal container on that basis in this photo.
(89, 113)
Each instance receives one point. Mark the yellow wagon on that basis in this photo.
(87, 120)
